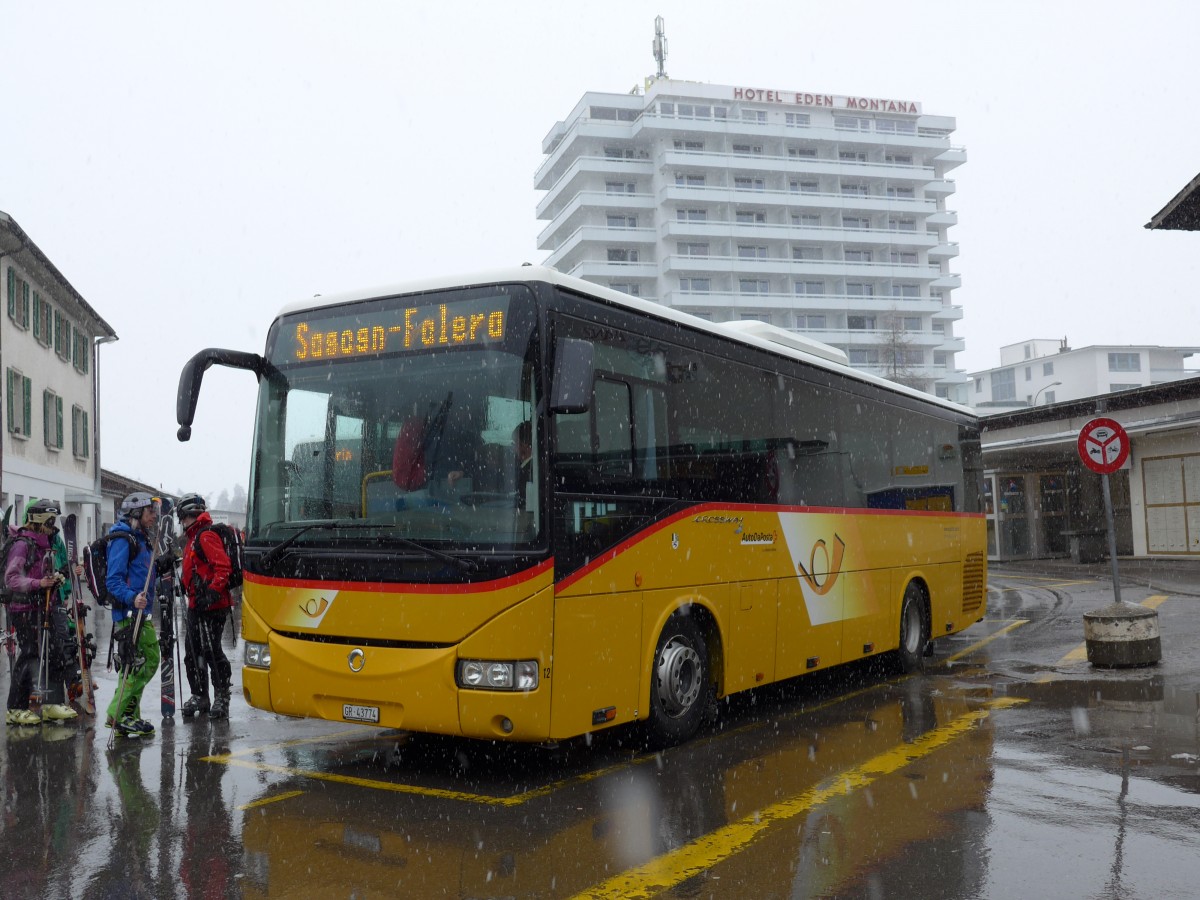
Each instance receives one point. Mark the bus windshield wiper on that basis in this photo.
(273, 555)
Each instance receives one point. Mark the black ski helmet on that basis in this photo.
(190, 505)
(132, 506)
(42, 512)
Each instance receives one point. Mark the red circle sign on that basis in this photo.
(1103, 446)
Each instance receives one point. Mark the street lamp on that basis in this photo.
(1042, 388)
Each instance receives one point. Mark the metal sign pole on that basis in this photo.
(1110, 523)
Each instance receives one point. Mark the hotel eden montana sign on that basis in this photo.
(835, 101)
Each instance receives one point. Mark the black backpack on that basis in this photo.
(95, 564)
(232, 539)
(10, 540)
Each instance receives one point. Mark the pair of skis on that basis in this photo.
(168, 592)
(87, 697)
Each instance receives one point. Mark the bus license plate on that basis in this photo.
(354, 713)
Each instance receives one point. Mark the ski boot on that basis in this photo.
(57, 712)
(131, 727)
(220, 707)
(195, 705)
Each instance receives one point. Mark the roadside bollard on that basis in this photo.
(1122, 635)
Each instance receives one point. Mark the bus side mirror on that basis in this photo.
(193, 374)
(574, 370)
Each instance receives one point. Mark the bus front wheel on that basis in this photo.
(914, 632)
(680, 682)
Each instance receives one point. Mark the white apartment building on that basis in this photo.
(817, 213)
(49, 339)
(1037, 372)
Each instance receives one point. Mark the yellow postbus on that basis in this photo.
(521, 506)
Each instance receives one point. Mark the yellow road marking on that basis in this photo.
(673, 868)
(1017, 623)
(1155, 602)
(286, 795)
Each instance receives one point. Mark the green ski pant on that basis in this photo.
(147, 648)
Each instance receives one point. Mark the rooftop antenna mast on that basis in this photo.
(660, 45)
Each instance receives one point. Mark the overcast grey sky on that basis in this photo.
(192, 169)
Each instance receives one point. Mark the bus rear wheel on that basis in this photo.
(679, 682)
(914, 631)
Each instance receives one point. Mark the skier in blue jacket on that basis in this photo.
(126, 583)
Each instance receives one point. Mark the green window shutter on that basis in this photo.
(12, 293)
(9, 395)
(46, 418)
(37, 316)
(58, 423)
(25, 303)
(85, 434)
(28, 392)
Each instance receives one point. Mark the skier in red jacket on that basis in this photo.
(206, 571)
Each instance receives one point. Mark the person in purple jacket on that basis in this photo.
(28, 575)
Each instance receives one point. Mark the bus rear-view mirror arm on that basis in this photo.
(574, 371)
(193, 374)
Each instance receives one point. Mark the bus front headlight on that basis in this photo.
(498, 675)
(258, 656)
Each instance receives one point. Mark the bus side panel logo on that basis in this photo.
(818, 553)
(306, 609)
(818, 587)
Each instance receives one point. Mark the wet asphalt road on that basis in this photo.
(1010, 768)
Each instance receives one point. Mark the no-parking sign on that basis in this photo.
(1103, 446)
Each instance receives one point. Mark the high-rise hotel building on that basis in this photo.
(818, 213)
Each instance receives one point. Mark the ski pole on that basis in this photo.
(43, 685)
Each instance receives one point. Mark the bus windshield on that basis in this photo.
(412, 414)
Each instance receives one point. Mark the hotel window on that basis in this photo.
(694, 111)
(748, 149)
(900, 192)
(1004, 384)
(942, 391)
(806, 220)
(80, 436)
(979, 385)
(618, 152)
(1028, 351)
(896, 126)
(18, 299)
(939, 357)
(1047, 368)
(860, 222)
(853, 189)
(689, 146)
(43, 320)
(811, 322)
(618, 221)
(810, 287)
(720, 112)
(939, 327)
(1048, 396)
(806, 252)
(622, 255)
(750, 217)
(619, 187)
(802, 152)
(19, 398)
(804, 187)
(691, 215)
(911, 357)
(695, 285)
(1122, 387)
(633, 290)
(754, 286)
(749, 184)
(1124, 362)
(907, 291)
(700, 314)
(857, 255)
(852, 156)
(899, 159)
(896, 224)
(666, 109)
(903, 257)
(692, 248)
(859, 289)
(863, 357)
(688, 179)
(860, 323)
(851, 123)
(751, 251)
(80, 351)
(1029, 373)
(52, 420)
(911, 323)
(796, 119)
(754, 115)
